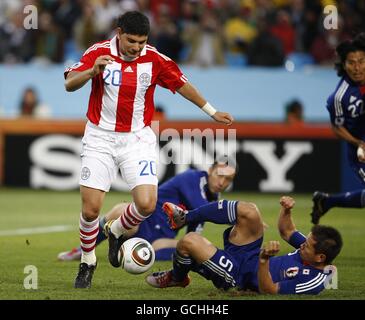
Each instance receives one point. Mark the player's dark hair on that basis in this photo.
(134, 22)
(328, 242)
(225, 160)
(344, 48)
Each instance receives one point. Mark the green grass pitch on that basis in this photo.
(21, 208)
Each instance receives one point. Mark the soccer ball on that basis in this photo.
(137, 255)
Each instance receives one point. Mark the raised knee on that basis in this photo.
(147, 205)
(189, 241)
(247, 210)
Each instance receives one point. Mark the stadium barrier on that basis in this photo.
(272, 157)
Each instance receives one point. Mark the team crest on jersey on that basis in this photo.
(76, 65)
(339, 121)
(144, 79)
(292, 272)
(85, 173)
(306, 271)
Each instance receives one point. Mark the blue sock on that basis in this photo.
(181, 266)
(164, 254)
(101, 236)
(220, 212)
(353, 199)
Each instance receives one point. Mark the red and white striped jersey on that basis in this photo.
(121, 98)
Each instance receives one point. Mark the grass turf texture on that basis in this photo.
(21, 208)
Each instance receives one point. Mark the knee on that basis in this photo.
(188, 243)
(90, 212)
(146, 205)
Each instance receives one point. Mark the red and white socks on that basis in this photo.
(128, 220)
(88, 233)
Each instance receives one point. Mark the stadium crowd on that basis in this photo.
(201, 32)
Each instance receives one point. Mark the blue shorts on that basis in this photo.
(235, 266)
(357, 166)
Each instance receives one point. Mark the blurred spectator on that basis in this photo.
(30, 106)
(294, 112)
(65, 14)
(284, 31)
(85, 28)
(170, 6)
(205, 40)
(238, 31)
(166, 36)
(311, 23)
(324, 45)
(106, 12)
(203, 32)
(49, 42)
(16, 43)
(265, 50)
(296, 10)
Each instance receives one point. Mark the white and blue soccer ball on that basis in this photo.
(137, 255)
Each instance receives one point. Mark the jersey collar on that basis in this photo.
(114, 48)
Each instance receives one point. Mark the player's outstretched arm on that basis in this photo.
(286, 224)
(266, 285)
(75, 80)
(189, 92)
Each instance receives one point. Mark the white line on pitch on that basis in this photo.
(23, 231)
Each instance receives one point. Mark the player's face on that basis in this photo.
(131, 45)
(355, 66)
(308, 252)
(220, 177)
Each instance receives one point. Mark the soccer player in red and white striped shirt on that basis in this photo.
(124, 72)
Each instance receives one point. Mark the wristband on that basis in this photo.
(208, 109)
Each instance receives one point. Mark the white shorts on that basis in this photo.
(105, 152)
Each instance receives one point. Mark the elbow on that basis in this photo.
(286, 234)
(68, 87)
(269, 288)
(283, 234)
(267, 291)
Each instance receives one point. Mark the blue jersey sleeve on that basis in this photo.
(192, 189)
(296, 239)
(301, 285)
(337, 120)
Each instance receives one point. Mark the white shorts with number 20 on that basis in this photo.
(105, 152)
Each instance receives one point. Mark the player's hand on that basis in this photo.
(287, 202)
(100, 64)
(223, 117)
(361, 155)
(270, 249)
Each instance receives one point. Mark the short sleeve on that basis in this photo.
(302, 286)
(296, 239)
(336, 120)
(170, 77)
(86, 62)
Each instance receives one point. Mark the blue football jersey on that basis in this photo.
(346, 107)
(189, 190)
(293, 275)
